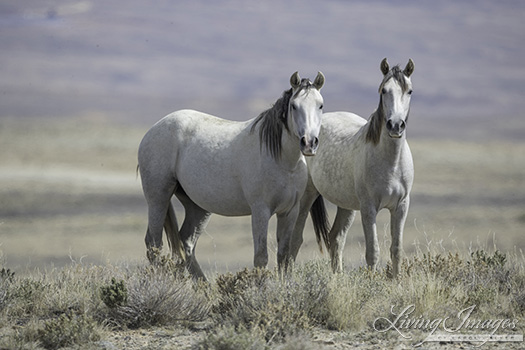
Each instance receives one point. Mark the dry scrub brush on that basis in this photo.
(79, 304)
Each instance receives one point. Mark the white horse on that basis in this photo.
(230, 168)
(364, 166)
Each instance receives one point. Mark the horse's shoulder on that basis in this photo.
(343, 124)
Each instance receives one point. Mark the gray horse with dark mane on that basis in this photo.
(364, 166)
(230, 168)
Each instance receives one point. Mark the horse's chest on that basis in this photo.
(387, 191)
(284, 188)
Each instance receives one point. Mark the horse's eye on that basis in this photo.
(321, 107)
(410, 92)
(293, 107)
(383, 91)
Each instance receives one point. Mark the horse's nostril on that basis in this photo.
(402, 125)
(315, 142)
(389, 125)
(303, 141)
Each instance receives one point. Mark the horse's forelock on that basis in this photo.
(397, 73)
(306, 85)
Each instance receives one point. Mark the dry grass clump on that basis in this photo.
(258, 300)
(50, 309)
(78, 304)
(152, 297)
(253, 308)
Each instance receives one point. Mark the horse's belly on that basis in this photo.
(215, 196)
(344, 196)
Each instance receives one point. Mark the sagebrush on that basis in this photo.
(79, 304)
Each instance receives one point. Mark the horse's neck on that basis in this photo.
(290, 151)
(389, 150)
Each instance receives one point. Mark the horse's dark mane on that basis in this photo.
(376, 120)
(275, 119)
(375, 123)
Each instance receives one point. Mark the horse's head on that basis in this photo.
(395, 92)
(306, 109)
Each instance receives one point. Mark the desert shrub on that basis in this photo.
(438, 265)
(354, 296)
(483, 259)
(6, 274)
(435, 284)
(28, 297)
(75, 289)
(153, 297)
(260, 301)
(310, 286)
(6, 279)
(519, 301)
(480, 295)
(114, 294)
(68, 330)
(442, 284)
(299, 342)
(229, 338)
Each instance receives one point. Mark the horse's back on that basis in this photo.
(188, 128)
(188, 123)
(342, 123)
(203, 154)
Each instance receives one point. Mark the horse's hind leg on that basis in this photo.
(343, 220)
(296, 240)
(195, 221)
(158, 199)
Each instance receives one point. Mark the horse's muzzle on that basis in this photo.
(309, 147)
(395, 129)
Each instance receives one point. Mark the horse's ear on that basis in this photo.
(384, 66)
(319, 81)
(295, 80)
(409, 69)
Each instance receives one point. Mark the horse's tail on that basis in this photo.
(321, 223)
(172, 233)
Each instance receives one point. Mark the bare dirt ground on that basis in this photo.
(163, 338)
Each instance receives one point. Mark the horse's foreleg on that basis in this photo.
(297, 235)
(368, 217)
(285, 227)
(343, 220)
(260, 218)
(397, 222)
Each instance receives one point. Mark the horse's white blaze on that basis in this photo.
(396, 104)
(306, 110)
